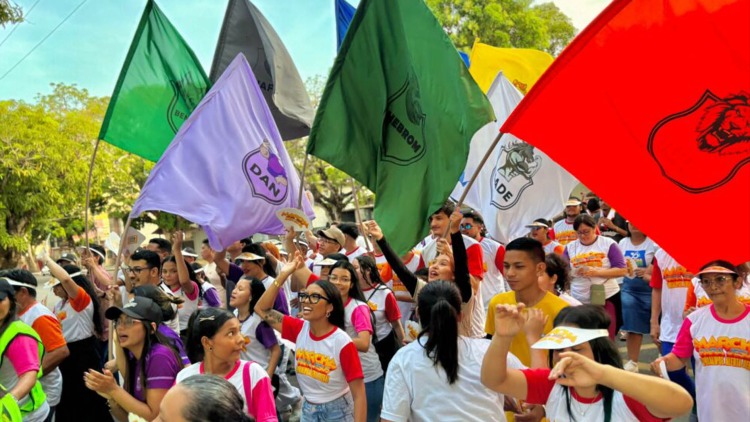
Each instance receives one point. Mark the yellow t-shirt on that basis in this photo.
(550, 305)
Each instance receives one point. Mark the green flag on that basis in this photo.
(398, 113)
(160, 84)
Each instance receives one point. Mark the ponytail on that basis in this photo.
(439, 305)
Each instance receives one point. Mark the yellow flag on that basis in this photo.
(522, 66)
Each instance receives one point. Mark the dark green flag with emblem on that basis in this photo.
(398, 113)
(160, 84)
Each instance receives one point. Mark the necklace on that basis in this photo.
(583, 408)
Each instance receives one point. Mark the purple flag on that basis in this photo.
(227, 168)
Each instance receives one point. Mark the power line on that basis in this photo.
(26, 14)
(43, 39)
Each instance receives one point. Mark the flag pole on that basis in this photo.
(123, 239)
(302, 183)
(88, 196)
(476, 173)
(357, 215)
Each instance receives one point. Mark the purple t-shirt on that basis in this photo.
(265, 335)
(176, 341)
(211, 298)
(161, 371)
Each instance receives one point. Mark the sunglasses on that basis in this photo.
(466, 226)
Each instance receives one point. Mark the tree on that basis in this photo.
(504, 23)
(9, 13)
(45, 152)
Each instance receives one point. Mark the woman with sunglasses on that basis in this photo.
(82, 326)
(328, 366)
(145, 358)
(595, 263)
(215, 345)
(717, 336)
(539, 230)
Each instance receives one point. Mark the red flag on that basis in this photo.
(649, 108)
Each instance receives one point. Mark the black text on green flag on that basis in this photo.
(398, 113)
(160, 84)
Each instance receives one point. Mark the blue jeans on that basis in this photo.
(681, 376)
(341, 409)
(374, 393)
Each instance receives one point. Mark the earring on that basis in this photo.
(328, 314)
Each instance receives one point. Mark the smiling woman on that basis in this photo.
(215, 343)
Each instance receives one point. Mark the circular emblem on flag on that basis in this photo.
(265, 174)
(514, 171)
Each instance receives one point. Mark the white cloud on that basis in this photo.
(582, 12)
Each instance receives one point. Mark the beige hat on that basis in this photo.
(716, 269)
(248, 256)
(326, 262)
(333, 233)
(572, 203)
(537, 224)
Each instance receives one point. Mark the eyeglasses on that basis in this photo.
(125, 321)
(136, 270)
(328, 241)
(337, 279)
(719, 281)
(312, 298)
(466, 226)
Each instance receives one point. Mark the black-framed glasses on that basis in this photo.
(136, 270)
(466, 226)
(719, 281)
(313, 298)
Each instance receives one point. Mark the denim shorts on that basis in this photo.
(341, 409)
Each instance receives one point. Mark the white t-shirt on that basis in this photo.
(673, 279)
(417, 390)
(721, 349)
(380, 300)
(174, 323)
(564, 232)
(190, 305)
(405, 301)
(352, 255)
(595, 255)
(325, 365)
(641, 256)
(213, 277)
(76, 316)
(493, 281)
(255, 350)
(357, 319)
(52, 382)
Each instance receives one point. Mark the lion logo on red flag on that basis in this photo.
(703, 147)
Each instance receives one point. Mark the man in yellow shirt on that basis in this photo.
(524, 264)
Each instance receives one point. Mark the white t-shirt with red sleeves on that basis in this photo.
(473, 256)
(190, 304)
(76, 316)
(673, 280)
(253, 384)
(325, 365)
(357, 320)
(418, 390)
(564, 232)
(721, 349)
(493, 282)
(542, 390)
(384, 307)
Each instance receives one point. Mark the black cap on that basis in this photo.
(141, 308)
(6, 290)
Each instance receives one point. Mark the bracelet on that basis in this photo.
(276, 283)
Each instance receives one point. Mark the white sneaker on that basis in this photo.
(631, 366)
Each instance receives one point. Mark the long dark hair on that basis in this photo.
(152, 338)
(256, 291)
(258, 249)
(84, 282)
(355, 292)
(204, 323)
(191, 273)
(556, 266)
(604, 350)
(334, 298)
(439, 307)
(161, 299)
(368, 266)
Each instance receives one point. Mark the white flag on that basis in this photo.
(519, 183)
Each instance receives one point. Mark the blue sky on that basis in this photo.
(88, 50)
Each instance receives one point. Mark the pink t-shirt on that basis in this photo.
(23, 353)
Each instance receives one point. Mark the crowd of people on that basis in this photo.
(461, 328)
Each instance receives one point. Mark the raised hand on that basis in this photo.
(443, 247)
(374, 229)
(177, 241)
(293, 264)
(509, 320)
(536, 319)
(456, 218)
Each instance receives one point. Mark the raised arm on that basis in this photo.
(509, 321)
(461, 274)
(70, 286)
(264, 307)
(407, 277)
(182, 272)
